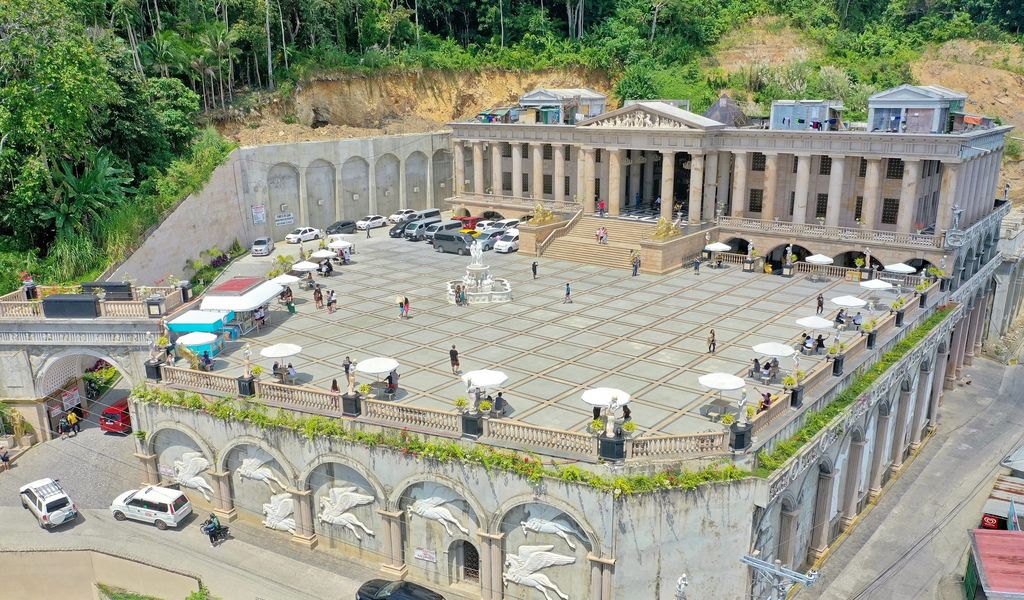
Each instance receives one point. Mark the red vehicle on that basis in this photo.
(116, 418)
(469, 222)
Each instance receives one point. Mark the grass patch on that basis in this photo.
(115, 593)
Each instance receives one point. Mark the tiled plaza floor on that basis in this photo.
(645, 335)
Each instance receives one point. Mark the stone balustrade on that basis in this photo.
(16, 305)
(405, 416)
(198, 381)
(836, 234)
(678, 446)
(501, 431)
(129, 309)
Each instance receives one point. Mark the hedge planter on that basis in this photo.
(153, 370)
(472, 425)
(351, 406)
(837, 365)
(739, 436)
(924, 300)
(872, 338)
(612, 449)
(247, 386)
(899, 317)
(796, 397)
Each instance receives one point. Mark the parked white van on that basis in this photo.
(161, 506)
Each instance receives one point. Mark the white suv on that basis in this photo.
(160, 506)
(48, 501)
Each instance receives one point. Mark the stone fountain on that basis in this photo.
(480, 287)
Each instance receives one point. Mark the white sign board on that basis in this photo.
(284, 219)
(70, 399)
(259, 214)
(165, 470)
(427, 555)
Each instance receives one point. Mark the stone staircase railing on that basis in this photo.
(559, 231)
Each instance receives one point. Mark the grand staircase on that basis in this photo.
(579, 244)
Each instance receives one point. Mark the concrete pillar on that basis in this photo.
(478, 168)
(722, 189)
(872, 194)
(938, 378)
(803, 186)
(787, 537)
(970, 194)
(496, 564)
(961, 351)
(710, 186)
(490, 566)
(537, 172)
(648, 187)
(901, 430)
(558, 178)
(460, 168)
(954, 347)
(581, 164)
(836, 179)
(771, 186)
(696, 188)
(908, 195)
(496, 168)
(972, 333)
(588, 181)
(854, 461)
(601, 569)
(595, 579)
(305, 534)
(877, 460)
(740, 167)
(947, 196)
(304, 199)
(924, 392)
(615, 181)
(517, 170)
(225, 503)
(395, 567)
(820, 524)
(668, 179)
(149, 463)
(983, 322)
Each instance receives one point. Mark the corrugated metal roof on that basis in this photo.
(999, 558)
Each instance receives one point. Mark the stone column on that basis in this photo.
(152, 472)
(537, 172)
(836, 179)
(803, 186)
(648, 191)
(517, 170)
(787, 537)
(722, 189)
(668, 179)
(601, 568)
(822, 505)
(305, 534)
(710, 186)
(771, 186)
(490, 568)
(947, 196)
(908, 195)
(877, 460)
(900, 433)
(634, 178)
(225, 508)
(595, 579)
(396, 567)
(304, 198)
(961, 352)
(478, 168)
(581, 164)
(872, 194)
(496, 565)
(496, 168)
(696, 188)
(460, 168)
(854, 461)
(558, 177)
(972, 334)
(614, 181)
(740, 167)
(982, 322)
(971, 192)
(924, 389)
(588, 181)
(938, 377)
(954, 348)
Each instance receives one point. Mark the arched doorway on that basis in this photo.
(462, 211)
(492, 215)
(463, 562)
(388, 184)
(738, 245)
(777, 255)
(71, 381)
(849, 258)
(920, 264)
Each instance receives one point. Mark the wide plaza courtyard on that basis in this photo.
(646, 335)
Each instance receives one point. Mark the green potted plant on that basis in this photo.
(789, 382)
(922, 294)
(727, 419)
(247, 384)
(739, 433)
(751, 412)
(871, 330)
(597, 426)
(486, 406)
(899, 307)
(629, 427)
(835, 352)
(461, 403)
(365, 390)
(472, 420)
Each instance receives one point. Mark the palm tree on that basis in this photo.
(126, 10)
(81, 198)
(202, 68)
(163, 52)
(216, 41)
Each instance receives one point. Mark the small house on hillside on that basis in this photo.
(803, 115)
(914, 109)
(561, 106)
(726, 111)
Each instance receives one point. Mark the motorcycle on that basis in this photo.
(219, 533)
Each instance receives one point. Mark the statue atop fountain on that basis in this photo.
(477, 283)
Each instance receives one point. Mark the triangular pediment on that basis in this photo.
(907, 92)
(652, 115)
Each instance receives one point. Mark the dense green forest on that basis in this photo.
(102, 102)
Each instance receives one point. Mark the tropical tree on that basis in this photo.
(84, 192)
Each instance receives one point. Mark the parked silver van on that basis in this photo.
(452, 241)
(417, 230)
(427, 213)
(442, 226)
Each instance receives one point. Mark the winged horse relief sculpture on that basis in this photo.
(187, 473)
(253, 468)
(432, 509)
(278, 513)
(335, 505)
(522, 568)
(544, 526)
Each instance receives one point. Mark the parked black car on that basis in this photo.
(379, 589)
(398, 229)
(342, 227)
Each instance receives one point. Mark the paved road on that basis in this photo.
(913, 544)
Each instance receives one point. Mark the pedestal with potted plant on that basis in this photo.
(871, 330)
(835, 352)
(922, 294)
(899, 307)
(864, 273)
(472, 421)
(794, 383)
(739, 433)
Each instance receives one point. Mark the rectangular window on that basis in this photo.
(506, 150)
(894, 168)
(792, 203)
(566, 188)
(547, 184)
(597, 188)
(890, 210)
(821, 207)
(526, 183)
(567, 150)
(526, 150)
(796, 163)
(597, 155)
(858, 207)
(757, 162)
(756, 198)
(863, 168)
(506, 181)
(547, 152)
(825, 166)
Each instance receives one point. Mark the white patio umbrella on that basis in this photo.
(197, 338)
(901, 268)
(718, 247)
(280, 350)
(305, 266)
(484, 379)
(285, 279)
(876, 285)
(324, 254)
(848, 302)
(818, 259)
(377, 366)
(814, 322)
(721, 381)
(773, 349)
(605, 397)
(339, 245)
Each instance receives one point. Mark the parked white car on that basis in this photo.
(508, 242)
(401, 216)
(160, 506)
(47, 500)
(483, 225)
(506, 224)
(371, 222)
(303, 234)
(262, 246)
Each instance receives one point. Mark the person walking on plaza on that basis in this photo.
(401, 308)
(406, 304)
(331, 301)
(454, 355)
(62, 427)
(711, 342)
(318, 296)
(74, 422)
(696, 266)
(367, 231)
(636, 264)
(821, 304)
(533, 268)
(568, 294)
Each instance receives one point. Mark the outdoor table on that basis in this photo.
(718, 406)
